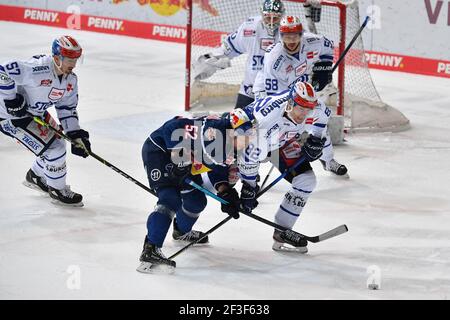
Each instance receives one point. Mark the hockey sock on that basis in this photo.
(157, 226)
(185, 220)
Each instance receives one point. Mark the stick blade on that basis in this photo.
(332, 233)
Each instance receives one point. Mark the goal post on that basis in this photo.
(353, 97)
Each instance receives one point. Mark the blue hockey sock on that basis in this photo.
(157, 226)
(185, 222)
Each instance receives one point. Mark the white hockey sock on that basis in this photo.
(327, 151)
(295, 199)
(55, 165)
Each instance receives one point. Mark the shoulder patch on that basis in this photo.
(5, 80)
(249, 32)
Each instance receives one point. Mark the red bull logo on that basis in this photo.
(171, 7)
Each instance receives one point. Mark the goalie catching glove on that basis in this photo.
(207, 64)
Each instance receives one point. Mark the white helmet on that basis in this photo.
(291, 24)
(303, 95)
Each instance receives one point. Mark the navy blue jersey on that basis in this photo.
(205, 138)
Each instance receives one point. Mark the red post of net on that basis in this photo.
(187, 81)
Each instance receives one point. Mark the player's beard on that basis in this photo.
(293, 50)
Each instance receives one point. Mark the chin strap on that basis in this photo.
(56, 65)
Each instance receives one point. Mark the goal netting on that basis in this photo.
(356, 98)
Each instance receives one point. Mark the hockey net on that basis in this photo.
(355, 98)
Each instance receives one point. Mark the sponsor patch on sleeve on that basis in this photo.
(5, 80)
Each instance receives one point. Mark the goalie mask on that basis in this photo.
(272, 11)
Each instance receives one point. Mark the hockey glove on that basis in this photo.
(82, 147)
(180, 172)
(312, 149)
(207, 64)
(321, 74)
(232, 197)
(16, 107)
(260, 95)
(248, 197)
(313, 10)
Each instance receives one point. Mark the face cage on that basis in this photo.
(268, 20)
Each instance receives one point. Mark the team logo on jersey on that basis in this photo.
(56, 94)
(155, 174)
(266, 43)
(289, 68)
(311, 54)
(249, 32)
(43, 131)
(69, 87)
(46, 83)
(299, 70)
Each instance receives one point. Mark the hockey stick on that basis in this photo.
(324, 236)
(204, 236)
(212, 195)
(92, 154)
(344, 53)
(267, 176)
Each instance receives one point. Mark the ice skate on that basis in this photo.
(286, 242)
(336, 168)
(65, 197)
(33, 181)
(153, 260)
(190, 236)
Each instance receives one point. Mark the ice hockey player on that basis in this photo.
(299, 56)
(29, 88)
(185, 147)
(253, 37)
(279, 121)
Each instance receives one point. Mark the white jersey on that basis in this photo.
(251, 38)
(41, 87)
(274, 130)
(281, 69)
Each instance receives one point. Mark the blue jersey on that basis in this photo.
(204, 139)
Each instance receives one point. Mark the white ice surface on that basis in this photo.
(396, 203)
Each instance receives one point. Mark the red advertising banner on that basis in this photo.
(375, 60)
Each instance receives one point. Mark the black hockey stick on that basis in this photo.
(324, 236)
(344, 53)
(204, 236)
(92, 154)
(207, 192)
